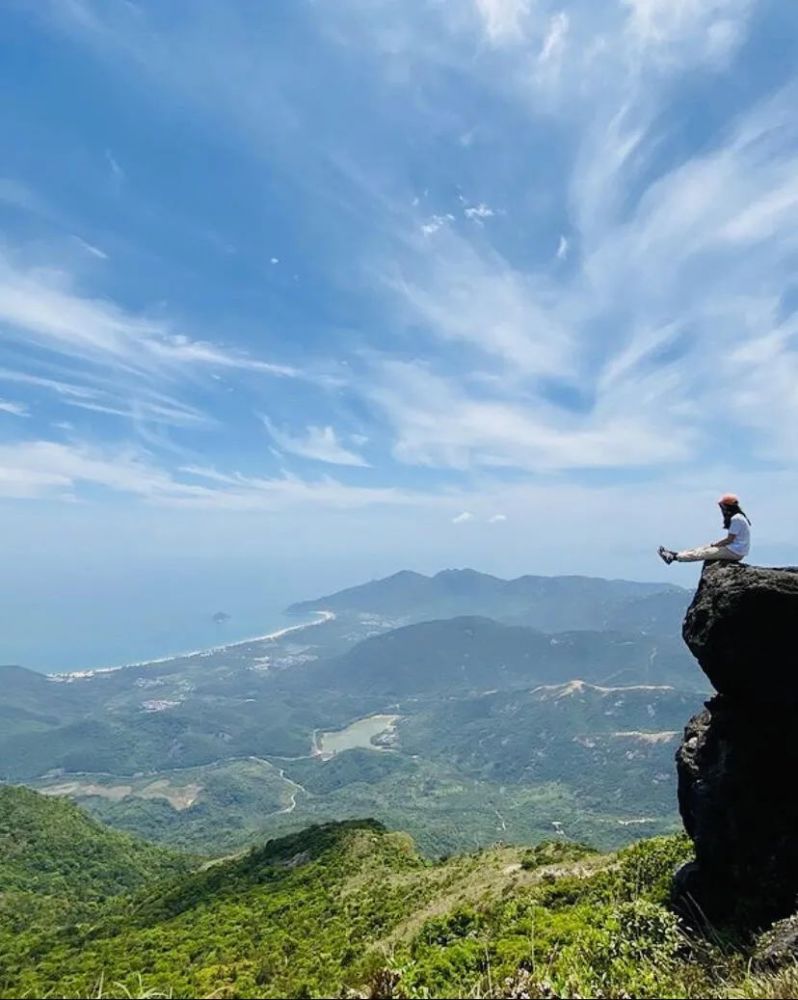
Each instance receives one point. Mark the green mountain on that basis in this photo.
(551, 604)
(461, 655)
(437, 727)
(207, 752)
(350, 909)
(50, 846)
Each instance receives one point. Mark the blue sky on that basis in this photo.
(396, 283)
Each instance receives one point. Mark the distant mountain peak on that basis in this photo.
(464, 571)
(549, 603)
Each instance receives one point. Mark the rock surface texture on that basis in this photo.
(738, 761)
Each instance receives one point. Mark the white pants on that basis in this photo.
(708, 553)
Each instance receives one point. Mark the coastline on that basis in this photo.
(72, 675)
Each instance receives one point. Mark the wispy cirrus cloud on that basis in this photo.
(504, 20)
(632, 285)
(15, 409)
(458, 292)
(148, 404)
(92, 354)
(90, 248)
(440, 422)
(688, 29)
(318, 443)
(47, 469)
(40, 305)
(676, 266)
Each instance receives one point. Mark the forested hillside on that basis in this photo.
(49, 846)
(353, 910)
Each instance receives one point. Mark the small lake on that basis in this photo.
(357, 734)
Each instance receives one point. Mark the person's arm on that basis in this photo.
(724, 541)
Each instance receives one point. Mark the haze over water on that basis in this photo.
(154, 614)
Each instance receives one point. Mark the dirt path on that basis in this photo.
(296, 789)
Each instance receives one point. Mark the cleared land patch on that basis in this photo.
(179, 797)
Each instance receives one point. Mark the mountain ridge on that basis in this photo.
(473, 652)
(551, 603)
(350, 909)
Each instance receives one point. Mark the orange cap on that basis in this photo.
(729, 500)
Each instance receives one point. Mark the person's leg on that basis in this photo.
(707, 553)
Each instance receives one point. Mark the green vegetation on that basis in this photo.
(463, 768)
(549, 603)
(60, 869)
(50, 847)
(469, 655)
(493, 739)
(222, 807)
(349, 909)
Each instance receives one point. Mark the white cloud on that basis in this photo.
(42, 469)
(435, 223)
(504, 20)
(95, 356)
(143, 404)
(497, 518)
(440, 422)
(40, 306)
(55, 385)
(45, 468)
(116, 170)
(554, 42)
(460, 293)
(700, 265)
(463, 518)
(91, 249)
(275, 260)
(318, 443)
(16, 409)
(680, 265)
(478, 212)
(701, 29)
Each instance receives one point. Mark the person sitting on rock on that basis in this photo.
(732, 548)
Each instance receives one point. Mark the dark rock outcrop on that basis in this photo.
(738, 761)
(742, 627)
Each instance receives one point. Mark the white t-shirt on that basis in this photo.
(742, 536)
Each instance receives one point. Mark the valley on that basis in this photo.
(460, 730)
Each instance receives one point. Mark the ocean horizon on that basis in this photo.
(67, 653)
(136, 621)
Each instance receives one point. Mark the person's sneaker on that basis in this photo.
(666, 555)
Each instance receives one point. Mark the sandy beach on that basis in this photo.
(66, 677)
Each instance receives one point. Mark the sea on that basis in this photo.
(61, 629)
